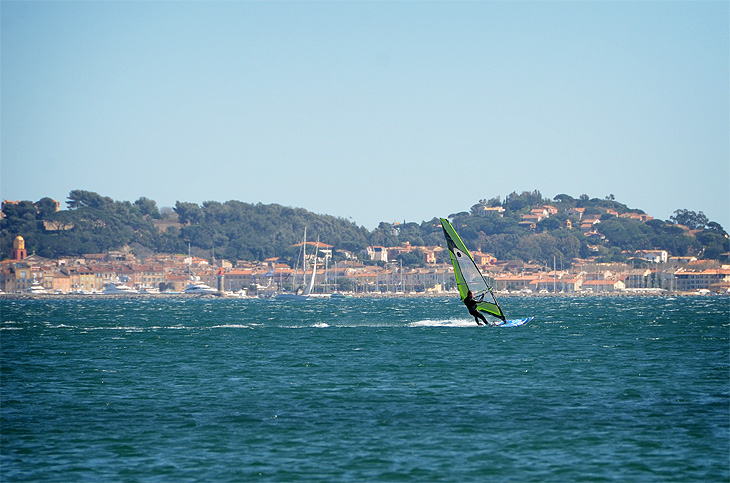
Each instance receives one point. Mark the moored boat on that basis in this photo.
(118, 288)
(199, 288)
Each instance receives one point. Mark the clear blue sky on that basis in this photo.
(374, 111)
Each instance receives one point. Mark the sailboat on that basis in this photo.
(468, 277)
(310, 286)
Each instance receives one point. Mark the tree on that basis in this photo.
(563, 198)
(625, 233)
(188, 213)
(148, 207)
(549, 224)
(515, 202)
(690, 219)
(23, 211)
(46, 207)
(714, 244)
(410, 259)
(385, 235)
(569, 245)
(716, 227)
(80, 198)
(237, 230)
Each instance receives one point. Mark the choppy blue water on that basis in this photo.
(594, 389)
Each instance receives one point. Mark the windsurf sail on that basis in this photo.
(468, 276)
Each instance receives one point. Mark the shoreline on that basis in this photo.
(374, 295)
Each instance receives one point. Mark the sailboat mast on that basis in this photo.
(304, 257)
(310, 287)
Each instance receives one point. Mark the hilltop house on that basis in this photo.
(378, 254)
(431, 253)
(483, 259)
(654, 256)
(587, 225)
(549, 209)
(636, 216)
(608, 211)
(491, 210)
(576, 212)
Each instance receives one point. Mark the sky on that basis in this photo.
(369, 111)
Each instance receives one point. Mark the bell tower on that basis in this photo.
(18, 252)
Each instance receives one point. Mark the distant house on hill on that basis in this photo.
(483, 259)
(431, 253)
(549, 209)
(608, 211)
(588, 225)
(654, 256)
(378, 254)
(636, 216)
(491, 210)
(576, 212)
(535, 216)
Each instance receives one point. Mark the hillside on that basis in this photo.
(523, 226)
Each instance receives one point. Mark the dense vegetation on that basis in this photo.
(242, 231)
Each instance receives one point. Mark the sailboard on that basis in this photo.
(469, 277)
(516, 322)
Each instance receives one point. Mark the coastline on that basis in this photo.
(372, 295)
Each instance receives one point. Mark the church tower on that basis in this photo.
(18, 252)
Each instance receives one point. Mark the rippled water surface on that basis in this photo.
(594, 389)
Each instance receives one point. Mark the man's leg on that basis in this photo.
(484, 319)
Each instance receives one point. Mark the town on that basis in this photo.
(372, 273)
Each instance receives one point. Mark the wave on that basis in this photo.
(443, 323)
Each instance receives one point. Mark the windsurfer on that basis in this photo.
(471, 304)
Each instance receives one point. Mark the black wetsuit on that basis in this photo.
(471, 304)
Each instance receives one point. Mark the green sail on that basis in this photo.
(468, 276)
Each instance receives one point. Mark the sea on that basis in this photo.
(181, 389)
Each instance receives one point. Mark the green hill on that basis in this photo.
(243, 231)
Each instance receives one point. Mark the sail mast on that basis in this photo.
(304, 257)
(310, 286)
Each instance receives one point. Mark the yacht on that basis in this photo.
(199, 288)
(118, 288)
(36, 289)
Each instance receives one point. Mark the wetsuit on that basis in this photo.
(471, 304)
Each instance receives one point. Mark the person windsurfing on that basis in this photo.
(471, 304)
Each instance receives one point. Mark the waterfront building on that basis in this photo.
(603, 286)
(693, 280)
(16, 277)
